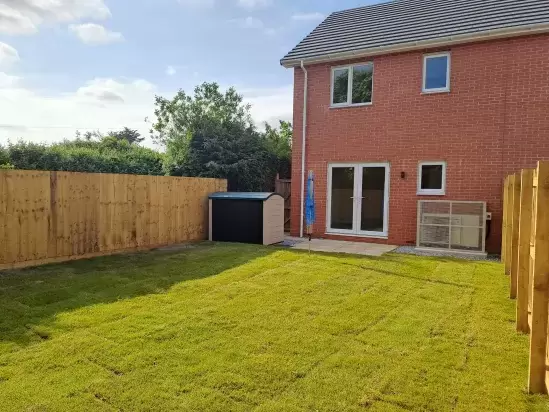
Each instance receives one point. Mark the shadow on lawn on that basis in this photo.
(30, 298)
(404, 263)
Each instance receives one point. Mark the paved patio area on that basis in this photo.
(339, 246)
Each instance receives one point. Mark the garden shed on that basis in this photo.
(247, 218)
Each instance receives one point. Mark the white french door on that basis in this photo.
(358, 199)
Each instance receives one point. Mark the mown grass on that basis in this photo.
(241, 328)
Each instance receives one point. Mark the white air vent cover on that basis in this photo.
(451, 225)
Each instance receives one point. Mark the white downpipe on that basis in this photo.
(303, 148)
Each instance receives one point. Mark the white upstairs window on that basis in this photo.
(352, 85)
(436, 73)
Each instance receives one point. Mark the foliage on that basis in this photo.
(130, 135)
(211, 134)
(341, 86)
(231, 153)
(279, 145)
(4, 159)
(240, 327)
(362, 84)
(89, 135)
(181, 117)
(108, 155)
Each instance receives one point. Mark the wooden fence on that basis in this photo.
(284, 188)
(56, 216)
(525, 253)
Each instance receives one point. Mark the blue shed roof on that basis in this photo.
(259, 196)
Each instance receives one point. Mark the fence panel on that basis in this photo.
(528, 258)
(56, 216)
(284, 188)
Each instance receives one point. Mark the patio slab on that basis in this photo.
(340, 246)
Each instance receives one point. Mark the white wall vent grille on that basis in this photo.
(452, 225)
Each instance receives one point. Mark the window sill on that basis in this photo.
(435, 91)
(380, 236)
(431, 194)
(347, 106)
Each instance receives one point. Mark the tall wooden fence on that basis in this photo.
(55, 216)
(525, 253)
(284, 187)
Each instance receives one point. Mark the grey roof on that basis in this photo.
(243, 195)
(407, 21)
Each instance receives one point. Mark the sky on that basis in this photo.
(68, 65)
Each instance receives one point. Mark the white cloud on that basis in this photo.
(269, 104)
(252, 23)
(24, 16)
(13, 21)
(253, 4)
(106, 90)
(256, 24)
(101, 104)
(8, 55)
(8, 81)
(308, 16)
(248, 23)
(171, 70)
(106, 104)
(95, 34)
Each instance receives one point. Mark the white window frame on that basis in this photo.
(348, 103)
(357, 204)
(448, 69)
(431, 192)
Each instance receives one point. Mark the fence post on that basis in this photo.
(509, 226)
(504, 220)
(525, 223)
(540, 295)
(515, 234)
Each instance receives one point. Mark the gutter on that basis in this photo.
(303, 141)
(423, 44)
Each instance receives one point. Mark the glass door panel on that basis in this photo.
(372, 209)
(342, 204)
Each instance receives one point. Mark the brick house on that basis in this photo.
(417, 100)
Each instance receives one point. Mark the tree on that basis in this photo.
(279, 145)
(180, 117)
(130, 135)
(4, 159)
(89, 135)
(211, 134)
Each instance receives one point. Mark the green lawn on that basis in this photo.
(241, 328)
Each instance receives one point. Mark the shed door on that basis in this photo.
(237, 221)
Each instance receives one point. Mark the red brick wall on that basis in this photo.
(494, 121)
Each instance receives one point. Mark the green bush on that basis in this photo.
(108, 155)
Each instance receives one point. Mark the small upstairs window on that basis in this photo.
(432, 178)
(352, 85)
(436, 73)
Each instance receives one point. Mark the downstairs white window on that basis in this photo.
(432, 178)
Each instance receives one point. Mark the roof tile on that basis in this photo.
(406, 21)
